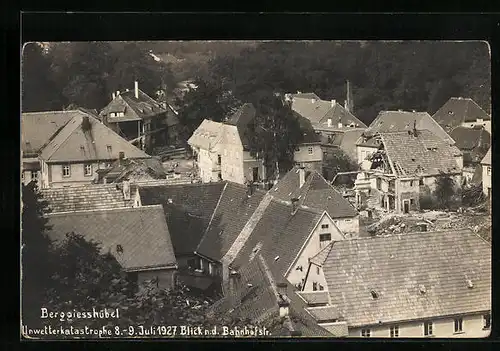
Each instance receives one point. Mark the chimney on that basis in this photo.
(117, 93)
(340, 124)
(346, 106)
(302, 176)
(329, 121)
(313, 100)
(282, 287)
(136, 89)
(284, 305)
(415, 128)
(113, 96)
(295, 204)
(121, 157)
(126, 189)
(334, 102)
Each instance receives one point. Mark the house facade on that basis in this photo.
(140, 119)
(486, 165)
(394, 181)
(78, 150)
(403, 299)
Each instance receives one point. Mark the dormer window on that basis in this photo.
(422, 289)
(119, 248)
(470, 284)
(374, 294)
(108, 148)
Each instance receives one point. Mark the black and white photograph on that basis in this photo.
(255, 189)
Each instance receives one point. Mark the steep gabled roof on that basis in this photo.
(278, 236)
(188, 209)
(422, 154)
(85, 138)
(487, 158)
(399, 267)
(88, 197)
(399, 121)
(338, 114)
(233, 211)
(37, 128)
(316, 193)
(256, 298)
(141, 232)
(318, 112)
(458, 110)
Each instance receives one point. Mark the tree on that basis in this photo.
(445, 191)
(39, 91)
(274, 133)
(206, 101)
(337, 161)
(36, 253)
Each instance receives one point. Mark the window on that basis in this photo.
(421, 181)
(411, 183)
(219, 158)
(210, 269)
(379, 183)
(310, 150)
(412, 202)
(487, 321)
(317, 270)
(87, 169)
(108, 147)
(394, 331)
(315, 286)
(427, 328)
(458, 325)
(324, 226)
(66, 170)
(22, 175)
(366, 333)
(488, 170)
(325, 237)
(321, 287)
(34, 174)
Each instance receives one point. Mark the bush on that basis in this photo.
(427, 202)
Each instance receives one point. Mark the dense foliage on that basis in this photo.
(336, 162)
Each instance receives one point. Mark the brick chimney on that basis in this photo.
(302, 176)
(136, 89)
(126, 189)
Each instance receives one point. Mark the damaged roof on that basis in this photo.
(424, 153)
(128, 168)
(415, 275)
(207, 135)
(141, 232)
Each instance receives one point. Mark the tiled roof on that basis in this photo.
(397, 267)
(233, 211)
(38, 127)
(315, 193)
(487, 158)
(278, 236)
(319, 111)
(188, 209)
(398, 121)
(207, 134)
(256, 299)
(320, 257)
(426, 151)
(458, 110)
(470, 138)
(314, 297)
(74, 143)
(324, 313)
(88, 197)
(306, 96)
(142, 233)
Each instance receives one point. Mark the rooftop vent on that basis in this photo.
(470, 284)
(249, 285)
(276, 258)
(422, 289)
(374, 294)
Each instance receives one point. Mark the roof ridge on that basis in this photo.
(113, 209)
(54, 111)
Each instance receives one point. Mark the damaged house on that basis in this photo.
(404, 167)
(431, 284)
(140, 119)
